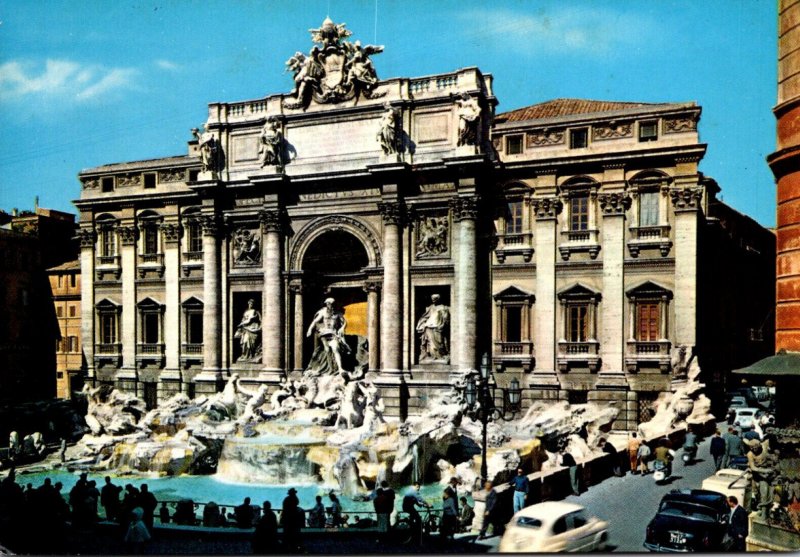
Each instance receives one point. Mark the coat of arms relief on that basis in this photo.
(335, 70)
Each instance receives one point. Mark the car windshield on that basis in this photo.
(745, 413)
(685, 508)
(529, 522)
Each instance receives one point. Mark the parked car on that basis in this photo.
(737, 402)
(551, 527)
(688, 520)
(745, 418)
(730, 481)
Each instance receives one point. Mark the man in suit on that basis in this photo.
(737, 525)
(490, 512)
(733, 446)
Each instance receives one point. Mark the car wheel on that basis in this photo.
(602, 543)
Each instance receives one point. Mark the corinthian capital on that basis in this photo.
(391, 211)
(172, 232)
(686, 199)
(464, 208)
(546, 208)
(127, 235)
(210, 225)
(272, 220)
(87, 237)
(614, 203)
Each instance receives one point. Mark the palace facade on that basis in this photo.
(570, 240)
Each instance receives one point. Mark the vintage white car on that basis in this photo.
(745, 417)
(553, 526)
(730, 481)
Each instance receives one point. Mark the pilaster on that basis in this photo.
(128, 335)
(296, 288)
(172, 312)
(686, 202)
(372, 288)
(88, 239)
(211, 298)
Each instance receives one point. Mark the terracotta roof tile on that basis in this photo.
(567, 107)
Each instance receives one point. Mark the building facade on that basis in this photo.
(563, 239)
(65, 285)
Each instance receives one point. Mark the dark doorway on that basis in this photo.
(150, 395)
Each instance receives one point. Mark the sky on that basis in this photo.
(86, 82)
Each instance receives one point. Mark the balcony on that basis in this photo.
(514, 244)
(575, 241)
(191, 260)
(191, 353)
(108, 353)
(518, 353)
(650, 237)
(150, 353)
(584, 353)
(108, 264)
(151, 263)
(648, 354)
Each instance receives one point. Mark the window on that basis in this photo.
(577, 322)
(560, 525)
(73, 344)
(514, 218)
(648, 208)
(513, 323)
(107, 184)
(193, 321)
(108, 244)
(108, 328)
(72, 311)
(514, 144)
(193, 175)
(648, 321)
(578, 138)
(60, 311)
(648, 131)
(60, 375)
(194, 237)
(149, 181)
(579, 213)
(73, 280)
(58, 345)
(150, 321)
(150, 241)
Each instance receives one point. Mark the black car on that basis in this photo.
(689, 520)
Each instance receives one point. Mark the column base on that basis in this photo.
(272, 375)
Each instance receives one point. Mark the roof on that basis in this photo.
(567, 107)
(74, 265)
(549, 510)
(782, 363)
(141, 165)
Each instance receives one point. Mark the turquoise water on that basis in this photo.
(203, 489)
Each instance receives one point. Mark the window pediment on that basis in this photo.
(648, 289)
(192, 303)
(108, 305)
(149, 304)
(514, 294)
(578, 292)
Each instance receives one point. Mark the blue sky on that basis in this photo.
(85, 83)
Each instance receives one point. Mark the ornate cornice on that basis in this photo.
(546, 208)
(686, 199)
(171, 231)
(614, 203)
(391, 211)
(271, 220)
(128, 235)
(464, 208)
(87, 237)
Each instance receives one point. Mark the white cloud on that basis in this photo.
(584, 31)
(167, 65)
(61, 80)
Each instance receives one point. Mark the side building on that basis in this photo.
(566, 240)
(65, 284)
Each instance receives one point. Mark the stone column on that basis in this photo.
(88, 238)
(296, 288)
(172, 311)
(272, 334)
(211, 296)
(465, 213)
(686, 202)
(546, 210)
(373, 323)
(128, 334)
(612, 314)
(392, 303)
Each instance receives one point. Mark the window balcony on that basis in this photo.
(648, 354)
(108, 264)
(573, 354)
(574, 241)
(513, 244)
(518, 353)
(110, 353)
(650, 237)
(151, 262)
(192, 260)
(191, 353)
(152, 353)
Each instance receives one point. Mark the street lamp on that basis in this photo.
(479, 395)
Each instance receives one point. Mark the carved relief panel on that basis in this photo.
(246, 245)
(433, 235)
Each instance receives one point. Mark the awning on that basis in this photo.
(781, 364)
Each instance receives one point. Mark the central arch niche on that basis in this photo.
(333, 266)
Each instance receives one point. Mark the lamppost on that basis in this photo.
(480, 395)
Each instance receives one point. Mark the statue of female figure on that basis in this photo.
(431, 327)
(247, 332)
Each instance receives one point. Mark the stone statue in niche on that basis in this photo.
(248, 332)
(208, 147)
(270, 149)
(432, 327)
(469, 113)
(388, 134)
(432, 237)
(246, 247)
(329, 324)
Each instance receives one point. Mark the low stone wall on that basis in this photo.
(766, 537)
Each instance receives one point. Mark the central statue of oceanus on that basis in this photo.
(335, 70)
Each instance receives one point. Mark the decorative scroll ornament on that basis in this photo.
(127, 235)
(391, 212)
(172, 232)
(87, 237)
(686, 199)
(612, 131)
(614, 203)
(543, 137)
(678, 125)
(335, 70)
(546, 207)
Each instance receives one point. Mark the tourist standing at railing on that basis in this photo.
(335, 510)
(265, 537)
(520, 484)
(383, 501)
(466, 516)
(163, 513)
(411, 500)
(109, 498)
(316, 516)
(290, 520)
(148, 503)
(244, 514)
(137, 534)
